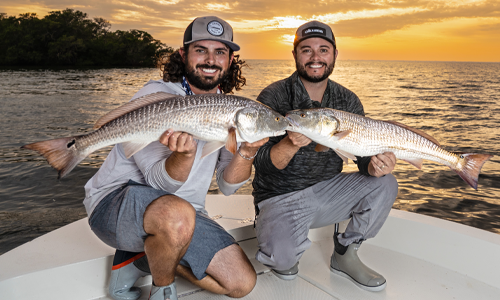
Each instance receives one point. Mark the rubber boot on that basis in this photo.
(125, 273)
(163, 292)
(350, 266)
(289, 274)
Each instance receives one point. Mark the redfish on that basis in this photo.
(351, 135)
(221, 120)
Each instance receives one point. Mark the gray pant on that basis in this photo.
(284, 221)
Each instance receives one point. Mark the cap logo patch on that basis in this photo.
(215, 28)
(313, 30)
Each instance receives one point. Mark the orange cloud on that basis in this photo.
(380, 29)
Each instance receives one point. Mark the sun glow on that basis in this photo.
(376, 29)
(219, 6)
(288, 38)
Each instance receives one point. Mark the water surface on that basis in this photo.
(457, 103)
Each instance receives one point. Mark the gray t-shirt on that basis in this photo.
(148, 166)
(307, 167)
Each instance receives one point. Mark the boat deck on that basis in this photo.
(421, 258)
(407, 278)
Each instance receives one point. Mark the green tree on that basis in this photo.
(71, 38)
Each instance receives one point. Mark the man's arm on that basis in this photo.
(240, 169)
(283, 152)
(233, 170)
(164, 168)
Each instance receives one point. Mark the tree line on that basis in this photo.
(70, 38)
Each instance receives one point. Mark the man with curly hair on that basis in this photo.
(151, 207)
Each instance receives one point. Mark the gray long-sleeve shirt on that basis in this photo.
(307, 167)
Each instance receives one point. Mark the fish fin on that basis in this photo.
(231, 143)
(61, 153)
(345, 159)
(132, 147)
(345, 155)
(131, 106)
(211, 147)
(471, 167)
(417, 131)
(341, 135)
(321, 148)
(416, 162)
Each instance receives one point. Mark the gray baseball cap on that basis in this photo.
(314, 29)
(210, 28)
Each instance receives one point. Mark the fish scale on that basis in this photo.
(208, 117)
(351, 135)
(386, 137)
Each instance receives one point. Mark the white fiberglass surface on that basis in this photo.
(407, 278)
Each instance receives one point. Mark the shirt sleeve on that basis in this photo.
(151, 162)
(155, 86)
(226, 188)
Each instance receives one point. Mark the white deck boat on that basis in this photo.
(421, 258)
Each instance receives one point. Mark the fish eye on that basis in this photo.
(303, 115)
(277, 119)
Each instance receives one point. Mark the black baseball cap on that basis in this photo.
(210, 28)
(314, 29)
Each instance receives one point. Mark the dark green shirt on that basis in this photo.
(307, 167)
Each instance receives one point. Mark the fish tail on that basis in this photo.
(61, 153)
(469, 167)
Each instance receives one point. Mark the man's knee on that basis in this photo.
(386, 192)
(243, 287)
(388, 185)
(391, 185)
(171, 216)
(233, 271)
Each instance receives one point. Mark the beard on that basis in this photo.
(301, 69)
(204, 83)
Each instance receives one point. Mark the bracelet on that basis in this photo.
(248, 158)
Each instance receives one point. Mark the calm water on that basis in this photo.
(457, 103)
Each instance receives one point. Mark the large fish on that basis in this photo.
(216, 118)
(351, 135)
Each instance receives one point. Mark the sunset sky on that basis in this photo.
(437, 30)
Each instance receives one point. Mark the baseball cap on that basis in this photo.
(314, 29)
(210, 28)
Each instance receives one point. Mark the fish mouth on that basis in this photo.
(291, 123)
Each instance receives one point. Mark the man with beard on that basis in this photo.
(151, 206)
(297, 188)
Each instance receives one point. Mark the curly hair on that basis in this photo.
(173, 68)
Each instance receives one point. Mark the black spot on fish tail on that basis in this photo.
(71, 143)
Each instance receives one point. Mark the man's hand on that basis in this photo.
(298, 139)
(382, 164)
(179, 164)
(249, 149)
(180, 142)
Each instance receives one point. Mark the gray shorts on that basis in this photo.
(118, 221)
